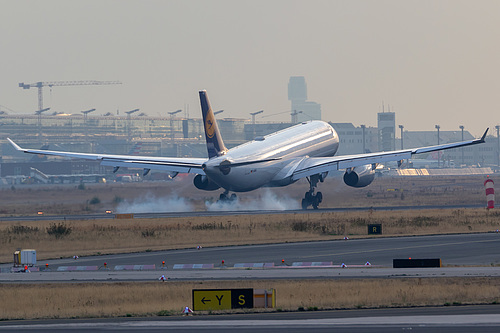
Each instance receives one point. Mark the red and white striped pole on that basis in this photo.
(490, 193)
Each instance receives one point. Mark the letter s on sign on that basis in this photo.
(241, 300)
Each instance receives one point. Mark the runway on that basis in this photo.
(461, 249)
(231, 212)
(454, 250)
(429, 319)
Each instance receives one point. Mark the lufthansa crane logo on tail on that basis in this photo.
(210, 124)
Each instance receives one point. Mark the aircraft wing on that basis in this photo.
(313, 165)
(174, 164)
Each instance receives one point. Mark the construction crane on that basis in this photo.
(40, 85)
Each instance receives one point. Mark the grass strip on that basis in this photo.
(125, 299)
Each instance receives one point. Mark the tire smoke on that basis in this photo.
(151, 204)
(267, 201)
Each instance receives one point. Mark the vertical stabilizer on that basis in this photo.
(215, 145)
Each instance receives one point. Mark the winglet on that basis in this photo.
(484, 135)
(15, 145)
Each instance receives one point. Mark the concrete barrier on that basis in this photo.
(21, 269)
(313, 263)
(76, 268)
(134, 267)
(254, 265)
(193, 266)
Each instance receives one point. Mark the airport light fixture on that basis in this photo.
(129, 122)
(363, 127)
(174, 113)
(131, 111)
(462, 128)
(498, 145)
(253, 114)
(39, 113)
(85, 114)
(172, 132)
(439, 156)
(87, 111)
(401, 127)
(294, 116)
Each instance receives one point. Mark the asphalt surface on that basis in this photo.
(229, 212)
(249, 274)
(463, 249)
(454, 250)
(484, 318)
(459, 249)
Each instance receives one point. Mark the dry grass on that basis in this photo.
(68, 300)
(91, 237)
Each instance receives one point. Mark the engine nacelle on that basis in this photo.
(203, 183)
(360, 176)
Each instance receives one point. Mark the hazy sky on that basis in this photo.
(434, 62)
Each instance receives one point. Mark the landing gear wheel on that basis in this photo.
(304, 204)
(319, 197)
(226, 198)
(315, 202)
(309, 197)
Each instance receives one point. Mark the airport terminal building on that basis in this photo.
(175, 136)
(184, 137)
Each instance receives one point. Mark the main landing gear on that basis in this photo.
(311, 199)
(226, 198)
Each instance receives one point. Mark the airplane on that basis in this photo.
(306, 150)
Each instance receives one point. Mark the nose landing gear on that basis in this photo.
(311, 199)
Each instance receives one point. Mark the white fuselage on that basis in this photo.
(285, 150)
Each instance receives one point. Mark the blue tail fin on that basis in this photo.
(215, 146)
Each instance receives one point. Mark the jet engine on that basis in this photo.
(360, 176)
(203, 183)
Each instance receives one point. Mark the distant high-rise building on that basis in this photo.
(302, 110)
(386, 130)
(297, 89)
